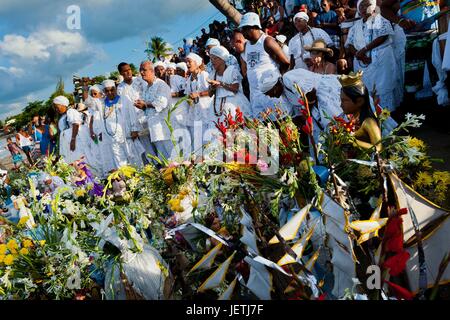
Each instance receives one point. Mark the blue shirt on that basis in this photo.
(327, 17)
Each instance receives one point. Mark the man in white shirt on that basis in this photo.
(261, 53)
(157, 100)
(306, 35)
(132, 88)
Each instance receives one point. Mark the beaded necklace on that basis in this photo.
(110, 105)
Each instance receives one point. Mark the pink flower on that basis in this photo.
(262, 166)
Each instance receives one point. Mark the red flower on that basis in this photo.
(396, 264)
(230, 120)
(400, 292)
(322, 297)
(239, 116)
(395, 244)
(402, 211)
(308, 127)
(222, 128)
(393, 228)
(302, 102)
(379, 109)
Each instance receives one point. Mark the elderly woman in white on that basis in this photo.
(73, 144)
(370, 41)
(201, 113)
(226, 84)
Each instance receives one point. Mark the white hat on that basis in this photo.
(159, 64)
(268, 80)
(212, 42)
(96, 87)
(195, 57)
(281, 38)
(301, 15)
(220, 52)
(61, 100)
(182, 66)
(250, 19)
(171, 66)
(108, 84)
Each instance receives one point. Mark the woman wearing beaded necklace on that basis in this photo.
(226, 85)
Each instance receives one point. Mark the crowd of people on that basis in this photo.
(37, 139)
(255, 66)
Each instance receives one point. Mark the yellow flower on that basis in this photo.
(442, 177)
(12, 245)
(24, 251)
(2, 257)
(9, 259)
(27, 243)
(416, 143)
(23, 220)
(42, 243)
(168, 176)
(3, 248)
(148, 169)
(423, 180)
(194, 204)
(80, 193)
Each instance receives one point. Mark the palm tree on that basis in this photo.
(227, 10)
(157, 49)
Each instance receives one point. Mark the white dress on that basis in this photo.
(201, 111)
(382, 72)
(82, 146)
(114, 135)
(226, 102)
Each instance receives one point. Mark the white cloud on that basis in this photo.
(37, 61)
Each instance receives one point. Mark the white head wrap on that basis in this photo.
(182, 66)
(61, 100)
(96, 87)
(159, 64)
(195, 57)
(220, 52)
(268, 80)
(108, 84)
(212, 42)
(302, 15)
(171, 66)
(370, 9)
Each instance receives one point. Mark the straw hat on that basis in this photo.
(320, 46)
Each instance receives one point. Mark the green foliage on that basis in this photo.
(157, 49)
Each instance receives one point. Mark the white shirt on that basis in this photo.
(133, 92)
(299, 41)
(159, 95)
(258, 61)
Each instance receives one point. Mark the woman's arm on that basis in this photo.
(75, 128)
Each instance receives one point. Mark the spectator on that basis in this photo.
(328, 21)
(318, 52)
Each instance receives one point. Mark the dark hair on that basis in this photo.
(360, 91)
(121, 65)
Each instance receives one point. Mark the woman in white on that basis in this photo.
(370, 41)
(73, 144)
(197, 88)
(227, 84)
(98, 149)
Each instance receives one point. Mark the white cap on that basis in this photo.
(182, 66)
(281, 38)
(301, 15)
(159, 64)
(195, 57)
(61, 100)
(212, 42)
(108, 84)
(268, 80)
(220, 52)
(250, 19)
(96, 87)
(171, 66)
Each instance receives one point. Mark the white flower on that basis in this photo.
(74, 281)
(102, 229)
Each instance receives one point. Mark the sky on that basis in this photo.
(37, 45)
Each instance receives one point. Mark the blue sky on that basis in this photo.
(36, 46)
